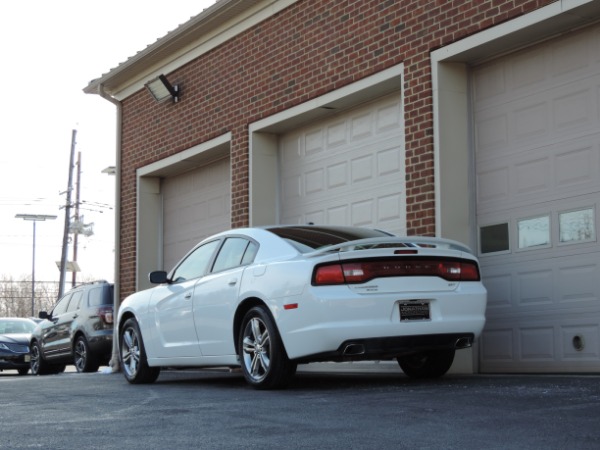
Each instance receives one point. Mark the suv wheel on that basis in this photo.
(83, 358)
(38, 364)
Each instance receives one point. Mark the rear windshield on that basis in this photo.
(102, 295)
(307, 238)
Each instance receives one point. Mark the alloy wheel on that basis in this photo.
(130, 352)
(257, 349)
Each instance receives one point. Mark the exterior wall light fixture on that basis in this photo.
(161, 89)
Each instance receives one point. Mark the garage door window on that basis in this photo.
(494, 238)
(534, 232)
(577, 226)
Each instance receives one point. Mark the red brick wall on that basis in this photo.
(312, 47)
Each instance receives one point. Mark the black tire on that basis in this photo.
(38, 364)
(265, 364)
(83, 358)
(133, 355)
(432, 364)
(23, 371)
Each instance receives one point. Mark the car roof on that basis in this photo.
(19, 319)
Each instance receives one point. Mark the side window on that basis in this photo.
(75, 302)
(250, 253)
(196, 263)
(61, 306)
(232, 253)
(95, 297)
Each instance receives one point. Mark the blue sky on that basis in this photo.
(50, 51)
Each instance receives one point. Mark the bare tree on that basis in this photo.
(15, 296)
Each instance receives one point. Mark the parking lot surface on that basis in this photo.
(217, 410)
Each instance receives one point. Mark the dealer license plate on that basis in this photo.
(414, 311)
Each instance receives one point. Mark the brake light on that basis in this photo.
(106, 314)
(361, 272)
(329, 275)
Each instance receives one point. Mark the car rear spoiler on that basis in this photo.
(382, 242)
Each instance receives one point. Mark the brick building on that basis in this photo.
(477, 121)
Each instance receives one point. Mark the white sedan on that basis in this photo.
(268, 299)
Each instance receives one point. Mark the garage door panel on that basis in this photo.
(572, 55)
(553, 283)
(520, 124)
(388, 117)
(336, 136)
(541, 346)
(368, 209)
(537, 137)
(536, 343)
(578, 165)
(338, 214)
(544, 294)
(347, 170)
(577, 283)
(196, 204)
(497, 345)
(546, 173)
(355, 172)
(580, 341)
(540, 68)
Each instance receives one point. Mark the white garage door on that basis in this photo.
(537, 137)
(347, 170)
(196, 204)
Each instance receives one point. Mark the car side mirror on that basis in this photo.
(158, 277)
(43, 315)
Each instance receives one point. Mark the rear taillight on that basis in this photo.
(330, 274)
(106, 314)
(361, 272)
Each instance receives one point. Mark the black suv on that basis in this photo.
(79, 331)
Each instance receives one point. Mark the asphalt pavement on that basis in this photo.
(217, 410)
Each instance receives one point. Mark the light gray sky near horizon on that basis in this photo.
(50, 52)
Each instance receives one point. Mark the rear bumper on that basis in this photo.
(383, 348)
(326, 321)
(101, 344)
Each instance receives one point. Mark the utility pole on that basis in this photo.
(76, 218)
(65, 245)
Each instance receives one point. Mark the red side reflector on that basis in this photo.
(405, 252)
(290, 306)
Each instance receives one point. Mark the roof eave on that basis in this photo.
(165, 49)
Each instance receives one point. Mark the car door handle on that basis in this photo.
(232, 282)
(188, 295)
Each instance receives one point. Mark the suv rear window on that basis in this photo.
(306, 238)
(102, 295)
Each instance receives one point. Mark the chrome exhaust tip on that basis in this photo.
(464, 342)
(354, 349)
